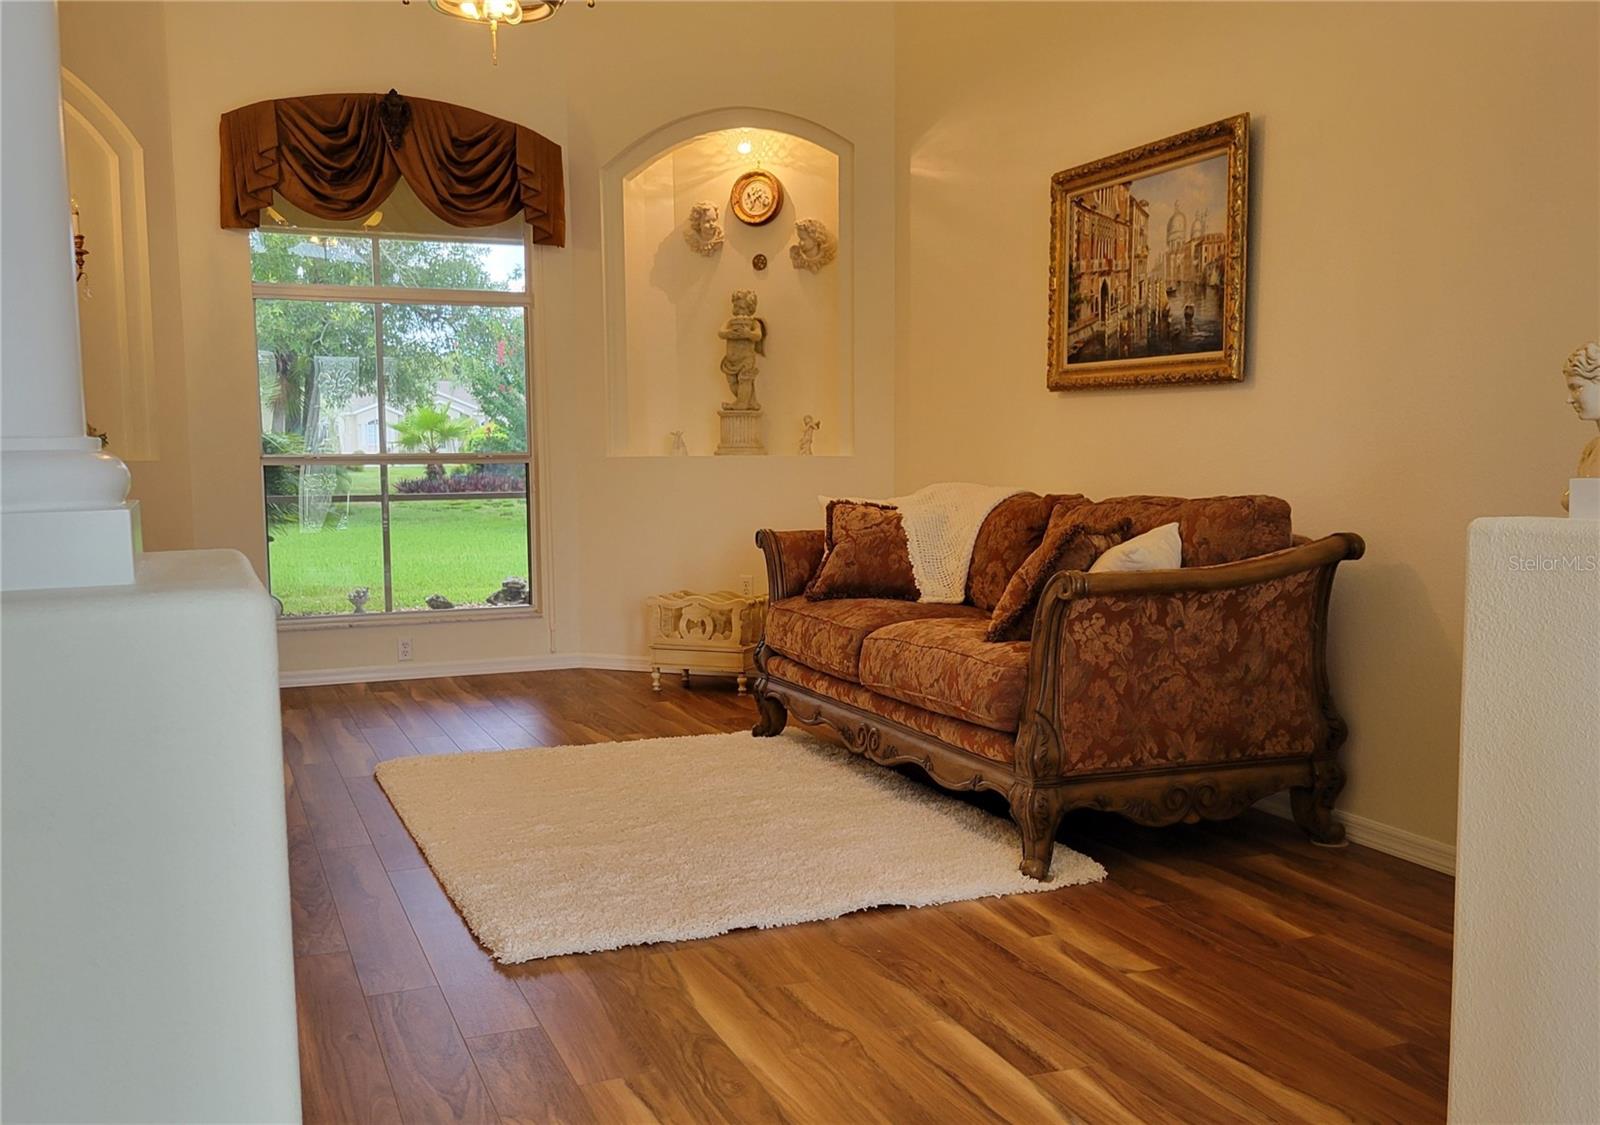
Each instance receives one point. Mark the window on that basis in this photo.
(395, 449)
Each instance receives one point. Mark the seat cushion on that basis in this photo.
(827, 635)
(946, 666)
(1215, 529)
(1010, 533)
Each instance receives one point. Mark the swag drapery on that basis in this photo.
(338, 156)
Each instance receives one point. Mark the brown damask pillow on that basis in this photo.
(1069, 544)
(866, 554)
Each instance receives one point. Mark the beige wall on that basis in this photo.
(595, 82)
(1425, 250)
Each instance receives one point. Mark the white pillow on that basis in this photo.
(1160, 549)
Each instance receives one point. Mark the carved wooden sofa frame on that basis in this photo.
(1040, 784)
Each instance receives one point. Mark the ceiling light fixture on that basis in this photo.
(497, 12)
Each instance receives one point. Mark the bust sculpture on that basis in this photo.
(703, 232)
(816, 245)
(746, 335)
(1582, 375)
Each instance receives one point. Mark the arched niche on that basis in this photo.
(105, 176)
(665, 303)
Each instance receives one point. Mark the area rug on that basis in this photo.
(574, 849)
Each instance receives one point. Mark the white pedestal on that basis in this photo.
(147, 955)
(1525, 1021)
(52, 550)
(741, 432)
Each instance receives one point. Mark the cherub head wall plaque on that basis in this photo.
(703, 231)
(815, 246)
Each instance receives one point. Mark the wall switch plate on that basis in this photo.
(747, 585)
(405, 648)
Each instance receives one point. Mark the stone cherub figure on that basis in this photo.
(1582, 373)
(811, 426)
(703, 232)
(746, 334)
(816, 245)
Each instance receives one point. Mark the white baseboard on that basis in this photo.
(318, 676)
(1409, 846)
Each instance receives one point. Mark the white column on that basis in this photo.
(63, 517)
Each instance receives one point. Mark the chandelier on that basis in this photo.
(497, 12)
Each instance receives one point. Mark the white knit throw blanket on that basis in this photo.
(942, 523)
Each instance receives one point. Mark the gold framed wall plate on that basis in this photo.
(757, 198)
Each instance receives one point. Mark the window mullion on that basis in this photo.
(383, 511)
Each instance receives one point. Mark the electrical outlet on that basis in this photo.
(405, 648)
(747, 585)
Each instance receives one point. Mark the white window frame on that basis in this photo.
(377, 296)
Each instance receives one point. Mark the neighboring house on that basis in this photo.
(353, 427)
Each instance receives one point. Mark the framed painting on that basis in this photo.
(1147, 262)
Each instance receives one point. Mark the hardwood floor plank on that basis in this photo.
(313, 916)
(613, 1102)
(483, 995)
(343, 1080)
(434, 1077)
(589, 1041)
(527, 1081)
(329, 811)
(382, 945)
(384, 828)
(389, 742)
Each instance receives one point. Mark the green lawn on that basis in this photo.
(462, 549)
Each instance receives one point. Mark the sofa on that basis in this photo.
(1164, 695)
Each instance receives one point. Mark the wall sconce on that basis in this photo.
(78, 252)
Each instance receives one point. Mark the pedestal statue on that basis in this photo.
(740, 417)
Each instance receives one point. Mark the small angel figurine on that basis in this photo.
(679, 447)
(746, 335)
(703, 232)
(1582, 374)
(816, 245)
(811, 427)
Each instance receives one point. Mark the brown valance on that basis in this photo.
(339, 156)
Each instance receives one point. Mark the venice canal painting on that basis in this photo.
(1146, 265)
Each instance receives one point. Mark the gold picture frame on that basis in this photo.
(1129, 307)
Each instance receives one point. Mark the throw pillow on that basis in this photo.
(1068, 545)
(1159, 549)
(865, 554)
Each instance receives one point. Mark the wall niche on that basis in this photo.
(666, 301)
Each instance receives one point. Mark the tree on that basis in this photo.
(475, 346)
(430, 428)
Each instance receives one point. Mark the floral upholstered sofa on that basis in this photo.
(1166, 695)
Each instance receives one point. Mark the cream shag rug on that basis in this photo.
(580, 848)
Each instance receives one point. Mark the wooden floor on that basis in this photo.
(1222, 973)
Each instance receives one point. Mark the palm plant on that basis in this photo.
(430, 429)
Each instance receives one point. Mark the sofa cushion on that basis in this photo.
(1215, 529)
(1071, 542)
(827, 635)
(866, 555)
(1009, 535)
(945, 665)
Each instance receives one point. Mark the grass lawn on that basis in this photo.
(462, 549)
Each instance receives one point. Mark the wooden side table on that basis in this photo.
(714, 633)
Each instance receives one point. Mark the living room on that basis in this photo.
(552, 314)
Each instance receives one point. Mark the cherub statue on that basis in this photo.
(680, 448)
(746, 334)
(358, 598)
(816, 246)
(1582, 373)
(811, 427)
(703, 231)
